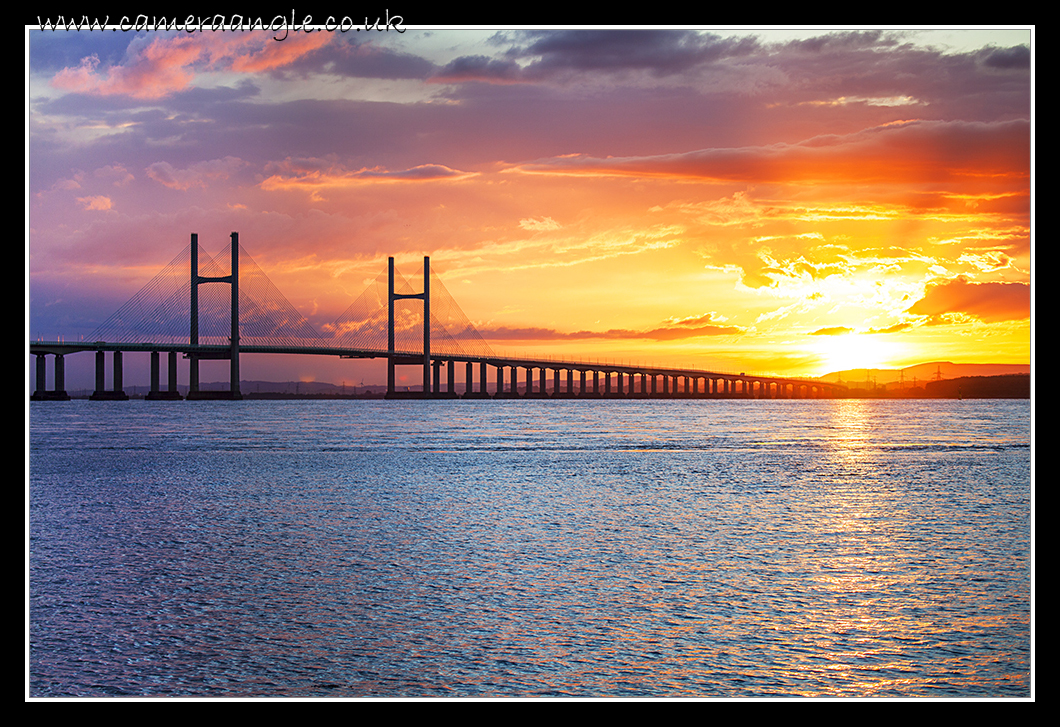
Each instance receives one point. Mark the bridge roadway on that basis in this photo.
(593, 380)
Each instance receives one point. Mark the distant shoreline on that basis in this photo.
(1004, 386)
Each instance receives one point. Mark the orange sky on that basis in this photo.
(789, 203)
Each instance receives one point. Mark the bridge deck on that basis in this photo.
(43, 348)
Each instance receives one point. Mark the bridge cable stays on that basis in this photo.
(184, 310)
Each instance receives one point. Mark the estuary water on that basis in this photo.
(841, 548)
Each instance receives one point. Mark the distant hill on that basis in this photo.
(249, 389)
(920, 374)
(873, 383)
(935, 379)
(1008, 386)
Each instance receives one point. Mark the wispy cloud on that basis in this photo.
(696, 327)
(909, 152)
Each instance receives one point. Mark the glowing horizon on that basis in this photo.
(726, 200)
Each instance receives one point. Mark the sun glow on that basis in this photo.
(854, 351)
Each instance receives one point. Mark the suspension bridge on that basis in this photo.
(201, 308)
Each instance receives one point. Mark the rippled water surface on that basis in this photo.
(530, 548)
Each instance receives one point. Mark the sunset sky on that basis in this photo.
(773, 201)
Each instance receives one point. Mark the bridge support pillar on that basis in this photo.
(500, 383)
(101, 376)
(392, 357)
(171, 393)
(42, 361)
(232, 354)
(117, 372)
(233, 373)
(60, 378)
(59, 392)
(173, 375)
(116, 393)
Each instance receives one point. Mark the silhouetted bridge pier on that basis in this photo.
(425, 329)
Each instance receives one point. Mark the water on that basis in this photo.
(530, 548)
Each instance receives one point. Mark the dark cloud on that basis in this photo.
(1018, 57)
(659, 52)
(558, 54)
(479, 68)
(879, 69)
(843, 41)
(358, 58)
(875, 67)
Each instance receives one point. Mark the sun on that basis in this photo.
(854, 351)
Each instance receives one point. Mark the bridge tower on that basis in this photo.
(233, 352)
(393, 358)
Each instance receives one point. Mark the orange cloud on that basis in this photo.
(164, 66)
(989, 302)
(154, 71)
(98, 203)
(270, 55)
